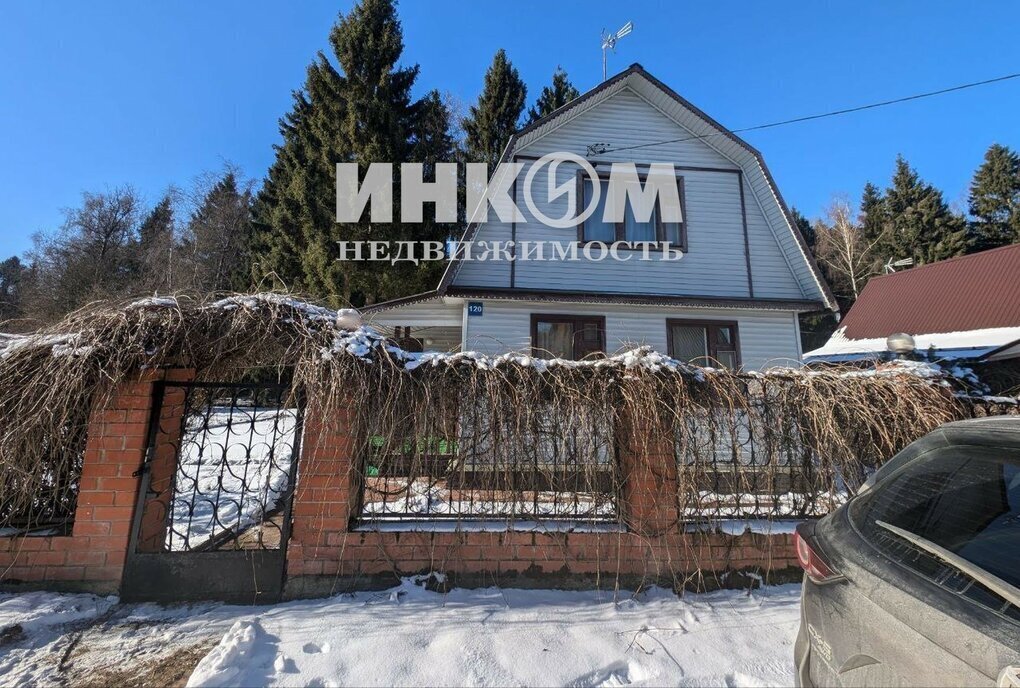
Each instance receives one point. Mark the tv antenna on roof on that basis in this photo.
(891, 265)
(609, 42)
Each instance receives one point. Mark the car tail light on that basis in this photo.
(818, 570)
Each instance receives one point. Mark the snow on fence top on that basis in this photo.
(366, 343)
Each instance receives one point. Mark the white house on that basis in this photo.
(733, 298)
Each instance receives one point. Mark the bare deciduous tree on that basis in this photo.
(845, 254)
(91, 257)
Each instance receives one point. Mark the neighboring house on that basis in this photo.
(961, 308)
(733, 299)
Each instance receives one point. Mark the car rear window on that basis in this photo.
(963, 499)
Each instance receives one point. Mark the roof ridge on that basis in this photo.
(947, 260)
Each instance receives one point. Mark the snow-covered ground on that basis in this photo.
(410, 636)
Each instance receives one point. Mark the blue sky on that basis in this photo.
(99, 94)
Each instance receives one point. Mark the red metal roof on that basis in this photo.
(972, 292)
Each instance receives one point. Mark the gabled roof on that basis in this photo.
(701, 125)
(969, 304)
(975, 292)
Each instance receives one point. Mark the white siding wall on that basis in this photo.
(767, 338)
(715, 264)
(422, 314)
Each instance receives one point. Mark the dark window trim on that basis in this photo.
(621, 239)
(569, 318)
(713, 342)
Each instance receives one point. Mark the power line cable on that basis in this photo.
(823, 115)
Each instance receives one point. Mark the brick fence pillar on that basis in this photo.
(114, 455)
(162, 471)
(325, 494)
(92, 557)
(649, 471)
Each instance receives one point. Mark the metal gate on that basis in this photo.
(215, 497)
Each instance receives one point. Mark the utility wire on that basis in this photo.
(834, 113)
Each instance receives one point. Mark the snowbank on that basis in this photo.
(410, 637)
(223, 666)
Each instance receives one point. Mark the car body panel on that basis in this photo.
(885, 624)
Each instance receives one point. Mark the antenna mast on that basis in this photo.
(609, 42)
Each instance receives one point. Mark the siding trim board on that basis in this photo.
(747, 238)
(513, 239)
(402, 301)
(802, 306)
(799, 306)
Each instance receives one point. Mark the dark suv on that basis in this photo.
(916, 581)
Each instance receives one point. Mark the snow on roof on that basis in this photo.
(968, 344)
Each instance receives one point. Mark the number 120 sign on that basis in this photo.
(475, 308)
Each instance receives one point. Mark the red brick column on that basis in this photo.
(92, 557)
(649, 472)
(325, 494)
(162, 471)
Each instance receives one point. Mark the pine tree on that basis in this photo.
(553, 97)
(362, 112)
(918, 223)
(494, 119)
(995, 199)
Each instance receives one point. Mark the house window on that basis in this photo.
(653, 231)
(704, 342)
(567, 336)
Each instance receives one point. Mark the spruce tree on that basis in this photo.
(216, 250)
(815, 328)
(995, 199)
(872, 212)
(359, 111)
(494, 119)
(13, 274)
(155, 252)
(804, 225)
(918, 222)
(553, 97)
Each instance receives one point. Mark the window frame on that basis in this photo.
(712, 341)
(573, 319)
(621, 237)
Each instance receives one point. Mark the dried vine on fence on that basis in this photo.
(465, 436)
